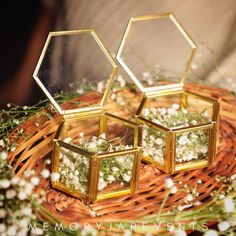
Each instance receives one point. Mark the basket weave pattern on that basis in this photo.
(32, 151)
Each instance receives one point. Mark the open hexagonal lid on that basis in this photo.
(156, 52)
(77, 64)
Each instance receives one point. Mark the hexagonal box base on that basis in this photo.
(97, 172)
(179, 130)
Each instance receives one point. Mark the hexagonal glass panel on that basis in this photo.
(155, 51)
(76, 64)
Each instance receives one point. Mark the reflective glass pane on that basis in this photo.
(75, 65)
(154, 144)
(156, 51)
(115, 173)
(74, 170)
(192, 146)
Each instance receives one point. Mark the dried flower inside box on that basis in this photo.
(96, 154)
(98, 162)
(179, 127)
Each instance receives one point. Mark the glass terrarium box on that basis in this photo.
(179, 128)
(96, 154)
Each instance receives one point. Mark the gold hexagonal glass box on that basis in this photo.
(96, 154)
(179, 128)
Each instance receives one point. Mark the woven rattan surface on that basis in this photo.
(36, 145)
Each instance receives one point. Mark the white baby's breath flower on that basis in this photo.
(223, 226)
(92, 146)
(55, 176)
(2, 228)
(205, 113)
(113, 96)
(121, 80)
(126, 177)
(3, 155)
(111, 178)
(22, 182)
(28, 188)
(101, 184)
(159, 141)
(175, 106)
(15, 180)
(35, 180)
(150, 81)
(23, 223)
(188, 198)
(22, 232)
(115, 169)
(146, 112)
(92, 213)
(183, 140)
(152, 138)
(211, 232)
(17, 122)
(146, 74)
(29, 173)
(3, 213)
(100, 86)
(27, 211)
(182, 207)
(13, 149)
(173, 190)
(45, 173)
(233, 177)
(228, 205)
(163, 111)
(179, 232)
(4, 183)
(171, 111)
(221, 196)
(194, 122)
(120, 100)
(80, 91)
(48, 162)
(193, 136)
(171, 228)
(22, 195)
(10, 193)
(169, 183)
(67, 140)
(103, 135)
(11, 231)
(198, 203)
(37, 231)
(89, 230)
(2, 144)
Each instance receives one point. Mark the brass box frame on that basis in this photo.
(94, 159)
(172, 89)
(171, 133)
(82, 114)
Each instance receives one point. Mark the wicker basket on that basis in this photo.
(32, 152)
